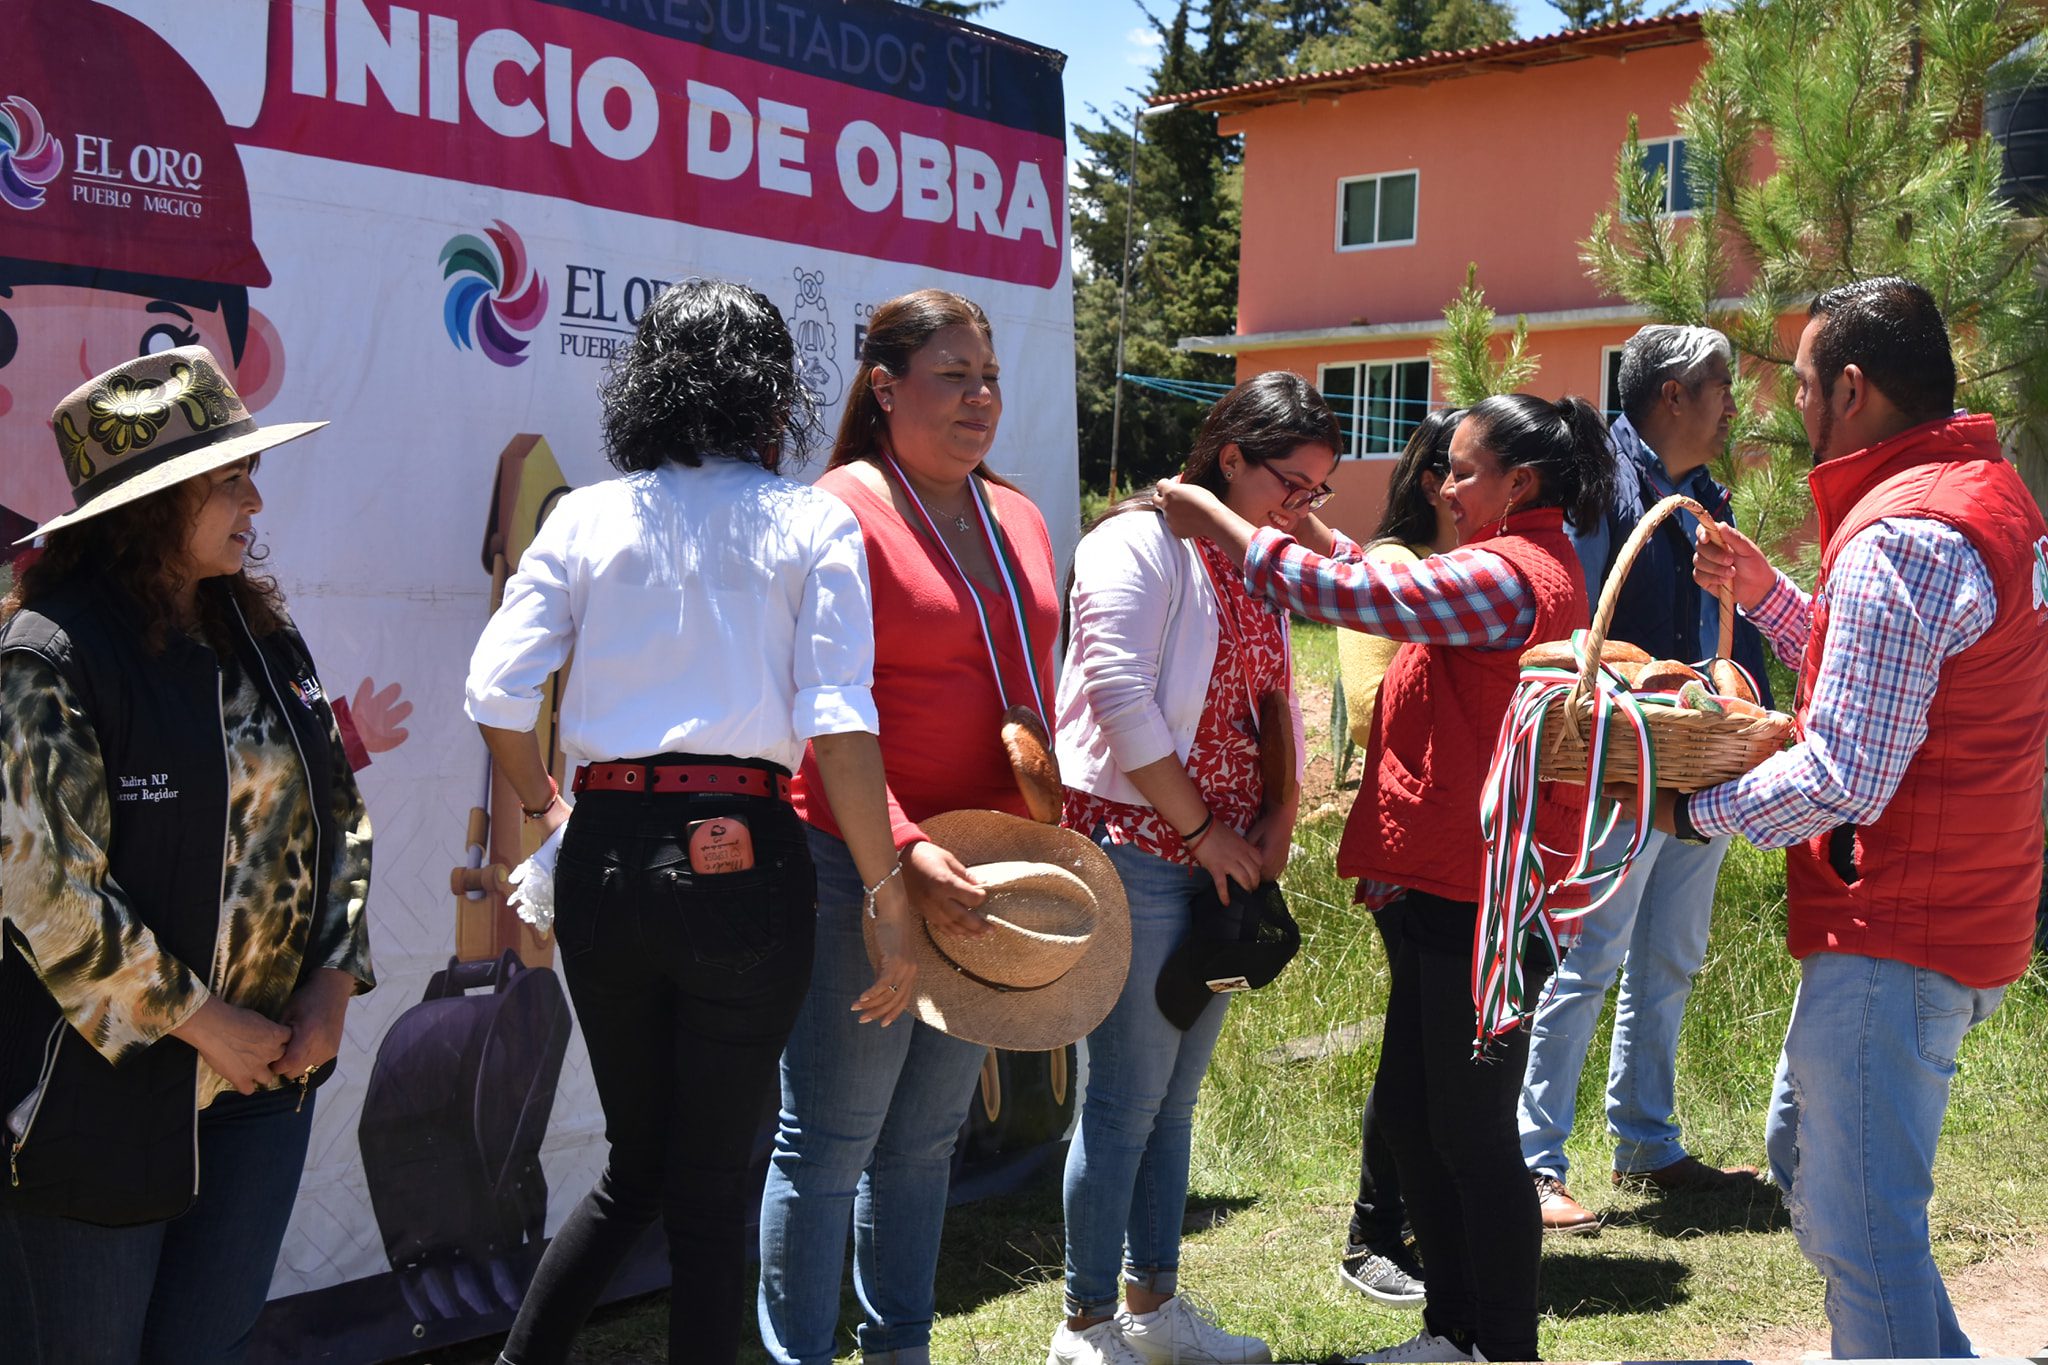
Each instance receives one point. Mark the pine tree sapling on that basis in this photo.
(1871, 114)
(1463, 356)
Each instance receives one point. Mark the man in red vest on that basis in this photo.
(1910, 810)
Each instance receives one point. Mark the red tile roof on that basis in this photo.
(1602, 40)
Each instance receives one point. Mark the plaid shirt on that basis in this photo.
(1466, 596)
(1906, 594)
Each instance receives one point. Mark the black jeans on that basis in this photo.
(1378, 1214)
(1450, 1120)
(685, 987)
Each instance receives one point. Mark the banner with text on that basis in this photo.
(433, 223)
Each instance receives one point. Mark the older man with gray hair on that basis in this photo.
(1675, 392)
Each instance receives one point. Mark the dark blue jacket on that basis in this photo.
(1660, 605)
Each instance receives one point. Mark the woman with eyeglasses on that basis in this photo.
(1167, 659)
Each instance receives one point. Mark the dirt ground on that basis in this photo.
(2002, 1303)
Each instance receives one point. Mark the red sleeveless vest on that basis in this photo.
(1416, 823)
(1950, 875)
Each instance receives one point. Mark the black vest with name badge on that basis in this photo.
(116, 1144)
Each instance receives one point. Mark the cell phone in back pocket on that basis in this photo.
(720, 845)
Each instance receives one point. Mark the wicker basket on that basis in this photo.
(1692, 749)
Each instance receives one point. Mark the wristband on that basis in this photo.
(1198, 833)
(554, 795)
(1682, 827)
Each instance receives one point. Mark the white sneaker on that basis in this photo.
(1423, 1346)
(1182, 1334)
(1102, 1344)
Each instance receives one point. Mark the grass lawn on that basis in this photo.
(1275, 1159)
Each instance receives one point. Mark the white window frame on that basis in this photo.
(1610, 401)
(1415, 228)
(1354, 439)
(1670, 178)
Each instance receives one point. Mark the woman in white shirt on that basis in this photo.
(1158, 746)
(719, 618)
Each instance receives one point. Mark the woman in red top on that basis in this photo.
(965, 614)
(1519, 466)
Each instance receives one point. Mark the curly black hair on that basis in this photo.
(711, 371)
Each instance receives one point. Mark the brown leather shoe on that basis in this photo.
(1561, 1212)
(1689, 1173)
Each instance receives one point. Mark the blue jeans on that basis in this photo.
(1656, 924)
(869, 1117)
(1862, 1086)
(182, 1292)
(1127, 1170)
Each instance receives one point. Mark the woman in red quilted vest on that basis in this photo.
(1520, 466)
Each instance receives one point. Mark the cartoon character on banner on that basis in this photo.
(135, 241)
(817, 340)
(125, 228)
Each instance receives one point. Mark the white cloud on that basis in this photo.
(1142, 46)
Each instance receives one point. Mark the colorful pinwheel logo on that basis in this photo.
(29, 157)
(494, 292)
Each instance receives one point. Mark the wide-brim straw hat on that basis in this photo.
(149, 424)
(1054, 963)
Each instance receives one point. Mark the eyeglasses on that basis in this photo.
(1300, 495)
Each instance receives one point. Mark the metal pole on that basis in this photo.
(1123, 295)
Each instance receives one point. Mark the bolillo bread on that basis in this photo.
(1730, 680)
(1558, 654)
(1668, 675)
(1030, 753)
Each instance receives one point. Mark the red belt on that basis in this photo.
(663, 778)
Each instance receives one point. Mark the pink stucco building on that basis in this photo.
(1368, 191)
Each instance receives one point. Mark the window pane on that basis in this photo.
(1681, 188)
(1612, 391)
(1361, 198)
(1412, 399)
(1657, 157)
(1379, 410)
(1397, 208)
(1340, 387)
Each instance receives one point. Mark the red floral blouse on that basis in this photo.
(1251, 660)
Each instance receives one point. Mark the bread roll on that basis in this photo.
(1736, 706)
(1667, 675)
(1031, 760)
(1730, 680)
(1558, 654)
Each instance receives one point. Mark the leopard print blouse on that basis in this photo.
(116, 986)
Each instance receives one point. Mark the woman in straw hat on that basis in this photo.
(965, 612)
(1158, 744)
(186, 860)
(1519, 466)
(718, 615)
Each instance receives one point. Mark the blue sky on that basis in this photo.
(1110, 47)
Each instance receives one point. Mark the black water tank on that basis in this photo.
(2018, 117)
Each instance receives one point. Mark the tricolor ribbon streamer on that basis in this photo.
(1515, 890)
(1013, 587)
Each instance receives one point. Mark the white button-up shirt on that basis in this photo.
(715, 610)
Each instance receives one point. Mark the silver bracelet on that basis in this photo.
(867, 897)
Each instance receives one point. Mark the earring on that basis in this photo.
(1505, 513)
(1228, 476)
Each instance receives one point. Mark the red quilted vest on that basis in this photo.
(1416, 823)
(1950, 875)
